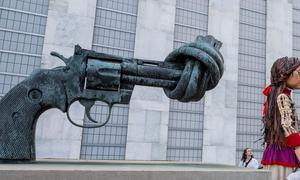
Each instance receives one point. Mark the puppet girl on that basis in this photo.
(281, 135)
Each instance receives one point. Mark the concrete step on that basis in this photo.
(127, 170)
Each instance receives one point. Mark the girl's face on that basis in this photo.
(293, 81)
(249, 152)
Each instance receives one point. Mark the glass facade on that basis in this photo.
(185, 131)
(251, 76)
(114, 33)
(22, 30)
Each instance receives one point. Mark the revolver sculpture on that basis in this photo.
(89, 76)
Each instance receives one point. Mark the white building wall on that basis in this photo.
(149, 107)
(69, 22)
(279, 32)
(219, 133)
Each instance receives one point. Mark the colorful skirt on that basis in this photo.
(279, 155)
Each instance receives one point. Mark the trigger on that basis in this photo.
(88, 104)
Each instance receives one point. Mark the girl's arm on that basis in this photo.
(284, 105)
(255, 163)
(241, 164)
(291, 134)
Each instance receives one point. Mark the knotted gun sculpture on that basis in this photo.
(89, 76)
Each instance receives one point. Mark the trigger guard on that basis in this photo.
(97, 124)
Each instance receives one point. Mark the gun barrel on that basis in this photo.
(161, 71)
(144, 81)
(156, 74)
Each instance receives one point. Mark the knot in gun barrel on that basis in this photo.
(204, 66)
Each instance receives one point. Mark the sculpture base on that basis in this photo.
(126, 170)
(5, 161)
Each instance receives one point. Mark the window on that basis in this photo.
(251, 76)
(22, 30)
(185, 132)
(114, 33)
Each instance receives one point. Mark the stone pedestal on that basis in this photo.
(127, 170)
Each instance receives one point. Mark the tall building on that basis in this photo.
(114, 33)
(251, 79)
(185, 128)
(22, 31)
(152, 127)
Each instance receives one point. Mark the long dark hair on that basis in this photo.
(280, 71)
(244, 156)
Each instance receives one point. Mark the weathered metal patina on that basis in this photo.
(89, 76)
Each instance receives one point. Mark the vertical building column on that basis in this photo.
(219, 136)
(70, 22)
(279, 32)
(149, 107)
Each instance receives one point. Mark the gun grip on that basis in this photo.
(20, 109)
(17, 119)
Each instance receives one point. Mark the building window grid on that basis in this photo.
(296, 53)
(296, 15)
(184, 121)
(248, 122)
(185, 136)
(296, 34)
(256, 5)
(127, 6)
(35, 6)
(194, 19)
(253, 18)
(18, 64)
(114, 33)
(21, 39)
(186, 34)
(114, 51)
(252, 33)
(121, 39)
(185, 129)
(251, 77)
(251, 81)
(250, 109)
(252, 47)
(19, 42)
(111, 137)
(250, 94)
(26, 23)
(112, 19)
(8, 81)
(247, 62)
(296, 45)
(296, 4)
(200, 6)
(108, 142)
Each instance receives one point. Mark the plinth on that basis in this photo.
(126, 170)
